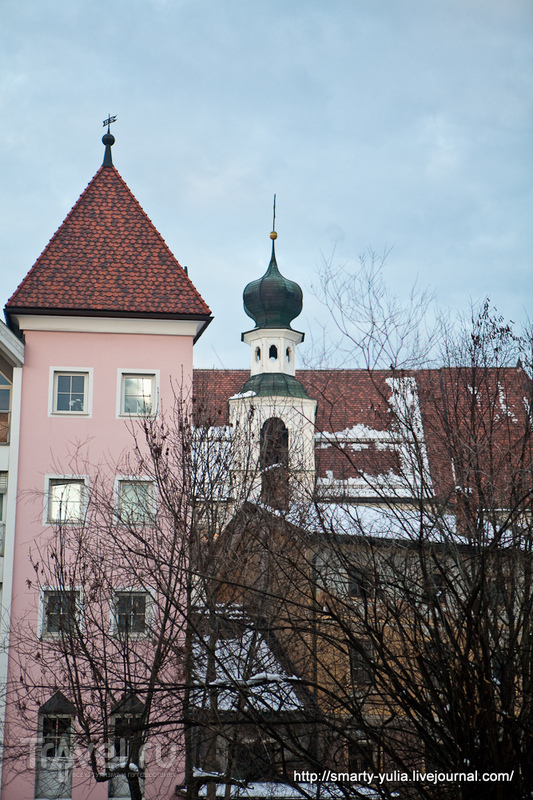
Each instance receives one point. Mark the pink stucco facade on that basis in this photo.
(48, 442)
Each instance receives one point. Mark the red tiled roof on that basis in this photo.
(477, 431)
(345, 397)
(108, 258)
(493, 427)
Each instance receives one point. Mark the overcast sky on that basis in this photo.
(403, 124)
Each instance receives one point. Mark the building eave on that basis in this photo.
(20, 319)
(11, 346)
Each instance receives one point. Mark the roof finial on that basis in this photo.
(109, 140)
(274, 235)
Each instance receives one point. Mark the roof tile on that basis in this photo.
(360, 401)
(107, 257)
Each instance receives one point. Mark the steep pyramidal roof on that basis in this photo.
(107, 259)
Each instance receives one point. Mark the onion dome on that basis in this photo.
(273, 301)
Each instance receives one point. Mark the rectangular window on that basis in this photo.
(358, 583)
(362, 756)
(128, 732)
(440, 583)
(499, 667)
(361, 666)
(60, 611)
(436, 589)
(71, 392)
(56, 732)
(5, 394)
(131, 610)
(127, 745)
(54, 762)
(137, 394)
(66, 500)
(256, 760)
(135, 502)
(5, 405)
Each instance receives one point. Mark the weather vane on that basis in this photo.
(274, 216)
(108, 122)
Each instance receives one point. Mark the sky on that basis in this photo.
(391, 125)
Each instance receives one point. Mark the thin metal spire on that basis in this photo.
(109, 121)
(109, 140)
(273, 235)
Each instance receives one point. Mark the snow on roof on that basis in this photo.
(396, 521)
(246, 669)
(240, 395)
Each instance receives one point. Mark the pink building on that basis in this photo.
(108, 318)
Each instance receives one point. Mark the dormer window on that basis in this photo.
(273, 352)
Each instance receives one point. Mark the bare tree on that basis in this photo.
(377, 621)
(424, 593)
(398, 599)
(370, 327)
(132, 621)
(105, 672)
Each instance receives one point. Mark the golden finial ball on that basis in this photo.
(273, 235)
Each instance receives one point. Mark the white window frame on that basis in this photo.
(149, 612)
(62, 765)
(118, 500)
(133, 373)
(87, 372)
(52, 479)
(9, 388)
(118, 787)
(44, 591)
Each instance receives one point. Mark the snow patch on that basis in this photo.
(240, 395)
(503, 405)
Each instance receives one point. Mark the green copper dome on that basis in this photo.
(274, 384)
(272, 301)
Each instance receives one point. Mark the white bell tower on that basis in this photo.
(273, 417)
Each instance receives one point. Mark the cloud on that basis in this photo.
(376, 123)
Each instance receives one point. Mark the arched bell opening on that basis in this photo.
(273, 353)
(274, 463)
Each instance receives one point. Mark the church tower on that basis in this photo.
(273, 414)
